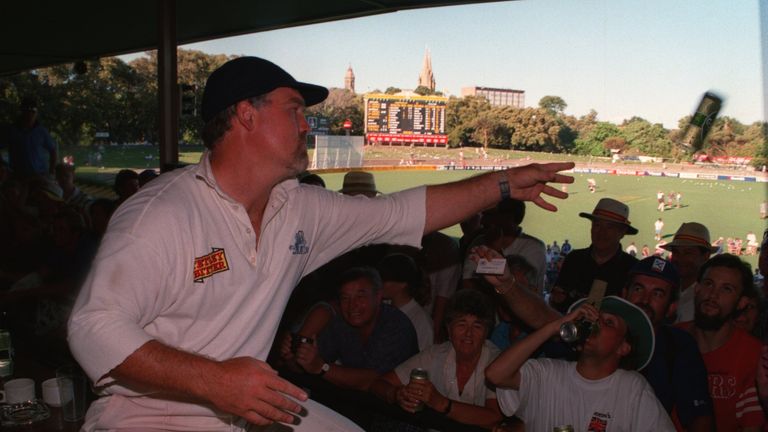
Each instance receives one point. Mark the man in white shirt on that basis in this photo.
(184, 298)
(592, 393)
(690, 249)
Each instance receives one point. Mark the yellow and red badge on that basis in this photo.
(208, 265)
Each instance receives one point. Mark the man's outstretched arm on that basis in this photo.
(450, 203)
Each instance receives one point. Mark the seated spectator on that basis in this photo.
(456, 386)
(592, 393)
(471, 227)
(126, 184)
(99, 212)
(146, 176)
(604, 259)
(365, 340)
(440, 259)
(359, 183)
(403, 283)
(505, 235)
(676, 370)
(72, 195)
(747, 317)
(312, 179)
(731, 354)
(690, 249)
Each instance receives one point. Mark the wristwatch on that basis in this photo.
(323, 369)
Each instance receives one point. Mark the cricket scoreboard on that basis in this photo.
(394, 119)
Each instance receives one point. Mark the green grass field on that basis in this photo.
(727, 208)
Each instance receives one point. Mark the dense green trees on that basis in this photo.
(109, 95)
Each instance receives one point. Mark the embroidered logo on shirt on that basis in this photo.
(208, 265)
(299, 246)
(598, 422)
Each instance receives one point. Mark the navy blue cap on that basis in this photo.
(248, 77)
(657, 267)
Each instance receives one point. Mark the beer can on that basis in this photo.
(577, 332)
(564, 428)
(702, 121)
(419, 374)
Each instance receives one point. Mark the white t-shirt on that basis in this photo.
(686, 305)
(440, 362)
(552, 393)
(179, 264)
(421, 321)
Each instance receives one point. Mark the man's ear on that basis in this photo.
(624, 349)
(245, 114)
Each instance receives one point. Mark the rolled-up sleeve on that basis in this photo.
(350, 222)
(119, 297)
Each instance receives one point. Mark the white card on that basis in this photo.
(494, 266)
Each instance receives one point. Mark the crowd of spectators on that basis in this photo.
(356, 328)
(51, 230)
(695, 297)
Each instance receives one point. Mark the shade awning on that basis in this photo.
(37, 34)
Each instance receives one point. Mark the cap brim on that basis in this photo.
(630, 229)
(672, 244)
(638, 324)
(312, 94)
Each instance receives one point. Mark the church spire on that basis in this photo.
(349, 80)
(426, 77)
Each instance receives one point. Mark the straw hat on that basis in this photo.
(691, 234)
(610, 210)
(359, 183)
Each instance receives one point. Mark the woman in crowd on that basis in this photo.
(456, 385)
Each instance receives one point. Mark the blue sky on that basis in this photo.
(651, 58)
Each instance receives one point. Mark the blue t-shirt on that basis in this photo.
(685, 386)
(27, 149)
(392, 342)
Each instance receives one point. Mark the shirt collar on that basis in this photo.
(278, 195)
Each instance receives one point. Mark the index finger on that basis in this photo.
(558, 166)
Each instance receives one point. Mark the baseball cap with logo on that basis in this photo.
(248, 77)
(657, 267)
(610, 210)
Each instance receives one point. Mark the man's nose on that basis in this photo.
(303, 124)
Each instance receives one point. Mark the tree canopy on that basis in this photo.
(109, 95)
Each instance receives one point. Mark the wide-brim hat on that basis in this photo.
(691, 234)
(248, 77)
(613, 211)
(639, 329)
(359, 182)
